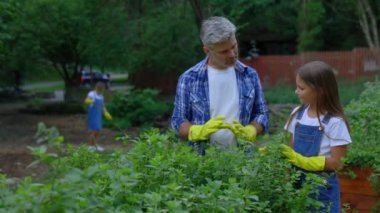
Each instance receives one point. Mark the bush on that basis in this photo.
(161, 174)
(281, 93)
(139, 107)
(364, 118)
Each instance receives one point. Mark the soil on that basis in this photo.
(17, 132)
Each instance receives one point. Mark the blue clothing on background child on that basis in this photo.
(95, 111)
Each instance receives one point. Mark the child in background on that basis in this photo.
(96, 108)
(319, 131)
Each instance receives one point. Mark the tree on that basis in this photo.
(72, 34)
(368, 23)
(163, 38)
(15, 46)
(311, 17)
(197, 8)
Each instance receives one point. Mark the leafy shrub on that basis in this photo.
(350, 90)
(162, 174)
(281, 93)
(139, 107)
(364, 118)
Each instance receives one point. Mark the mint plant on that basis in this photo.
(162, 174)
(364, 118)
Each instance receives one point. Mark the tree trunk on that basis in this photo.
(17, 82)
(72, 82)
(195, 4)
(368, 24)
(74, 94)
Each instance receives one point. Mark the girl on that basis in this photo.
(319, 130)
(96, 108)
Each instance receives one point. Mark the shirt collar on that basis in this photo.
(202, 66)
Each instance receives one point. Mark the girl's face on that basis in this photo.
(99, 89)
(306, 94)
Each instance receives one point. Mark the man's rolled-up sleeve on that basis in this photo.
(260, 113)
(181, 111)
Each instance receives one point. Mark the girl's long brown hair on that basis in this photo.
(321, 78)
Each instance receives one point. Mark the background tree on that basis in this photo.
(72, 34)
(153, 36)
(163, 38)
(16, 48)
(259, 21)
(368, 22)
(310, 18)
(198, 13)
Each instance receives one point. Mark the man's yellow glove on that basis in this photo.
(88, 101)
(248, 132)
(203, 132)
(312, 164)
(107, 115)
(263, 150)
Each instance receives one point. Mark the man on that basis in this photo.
(219, 99)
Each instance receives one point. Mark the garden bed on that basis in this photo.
(357, 192)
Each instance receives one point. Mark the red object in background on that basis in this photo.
(349, 65)
(358, 192)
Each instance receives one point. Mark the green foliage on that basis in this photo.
(364, 118)
(138, 107)
(162, 41)
(281, 93)
(311, 16)
(350, 90)
(16, 46)
(48, 135)
(162, 174)
(58, 35)
(341, 30)
(67, 35)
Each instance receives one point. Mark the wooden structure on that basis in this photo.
(350, 65)
(358, 193)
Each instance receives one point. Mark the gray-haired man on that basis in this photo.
(219, 99)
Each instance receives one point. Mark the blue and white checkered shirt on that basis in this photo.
(192, 102)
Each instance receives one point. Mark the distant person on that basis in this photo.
(219, 99)
(319, 131)
(95, 110)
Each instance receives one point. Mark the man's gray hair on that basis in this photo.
(216, 29)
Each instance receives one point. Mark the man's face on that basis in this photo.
(223, 54)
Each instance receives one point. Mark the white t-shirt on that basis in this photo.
(93, 95)
(224, 100)
(335, 132)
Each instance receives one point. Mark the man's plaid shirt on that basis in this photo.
(192, 101)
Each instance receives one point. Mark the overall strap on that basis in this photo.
(326, 119)
(300, 112)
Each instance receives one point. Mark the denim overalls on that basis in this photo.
(307, 142)
(94, 114)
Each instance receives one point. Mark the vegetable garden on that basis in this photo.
(162, 174)
(158, 174)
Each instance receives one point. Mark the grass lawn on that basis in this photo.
(52, 88)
